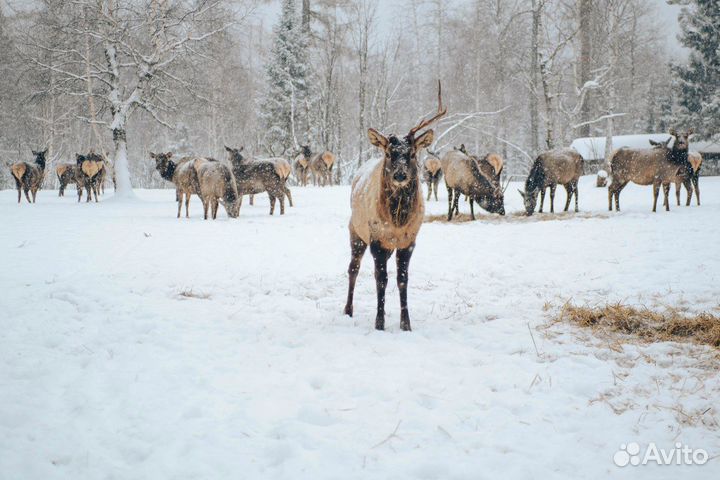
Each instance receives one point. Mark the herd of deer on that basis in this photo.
(386, 196)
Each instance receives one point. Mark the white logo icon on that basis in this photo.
(629, 454)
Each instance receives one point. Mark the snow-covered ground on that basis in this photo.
(137, 346)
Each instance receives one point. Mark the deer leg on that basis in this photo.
(403, 262)
(61, 189)
(34, 194)
(281, 197)
(696, 184)
(542, 199)
(435, 187)
(357, 250)
(429, 191)
(656, 191)
(27, 193)
(289, 195)
(677, 192)
(689, 187)
(19, 193)
(272, 204)
(575, 191)
(215, 204)
(450, 198)
(381, 256)
(569, 191)
(611, 193)
(187, 204)
(252, 201)
(456, 201)
(205, 208)
(472, 209)
(179, 198)
(552, 198)
(666, 195)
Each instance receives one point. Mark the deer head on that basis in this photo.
(235, 155)
(682, 140)
(400, 165)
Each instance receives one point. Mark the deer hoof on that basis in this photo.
(349, 310)
(379, 324)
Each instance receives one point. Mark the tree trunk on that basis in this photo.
(585, 61)
(534, 116)
(122, 169)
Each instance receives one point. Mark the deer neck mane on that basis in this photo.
(535, 180)
(168, 172)
(678, 156)
(399, 203)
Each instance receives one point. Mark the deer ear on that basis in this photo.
(169, 154)
(228, 149)
(377, 138)
(653, 143)
(690, 131)
(424, 140)
(673, 132)
(242, 147)
(152, 155)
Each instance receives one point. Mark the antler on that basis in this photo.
(426, 123)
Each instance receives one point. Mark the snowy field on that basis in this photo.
(137, 346)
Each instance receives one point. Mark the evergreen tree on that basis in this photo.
(285, 108)
(698, 82)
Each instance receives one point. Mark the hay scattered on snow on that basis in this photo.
(669, 325)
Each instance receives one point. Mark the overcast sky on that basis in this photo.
(389, 9)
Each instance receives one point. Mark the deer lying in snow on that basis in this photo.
(659, 165)
(464, 176)
(182, 174)
(29, 176)
(387, 212)
(257, 176)
(562, 166)
(217, 185)
(90, 173)
(432, 172)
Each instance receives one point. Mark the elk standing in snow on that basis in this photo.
(564, 167)
(67, 173)
(432, 172)
(464, 176)
(259, 176)
(387, 212)
(655, 166)
(90, 173)
(690, 178)
(217, 185)
(29, 176)
(182, 174)
(321, 166)
(302, 165)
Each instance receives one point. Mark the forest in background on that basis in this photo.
(518, 76)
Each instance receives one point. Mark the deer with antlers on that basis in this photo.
(387, 212)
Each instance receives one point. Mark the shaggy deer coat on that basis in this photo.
(656, 166)
(90, 173)
(464, 176)
(257, 176)
(29, 176)
(182, 174)
(432, 173)
(321, 165)
(217, 185)
(562, 166)
(67, 173)
(690, 179)
(302, 166)
(387, 212)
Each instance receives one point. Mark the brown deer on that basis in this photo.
(67, 173)
(29, 176)
(259, 176)
(181, 173)
(690, 179)
(464, 176)
(492, 166)
(302, 165)
(217, 185)
(89, 171)
(321, 166)
(656, 166)
(387, 212)
(432, 173)
(562, 166)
